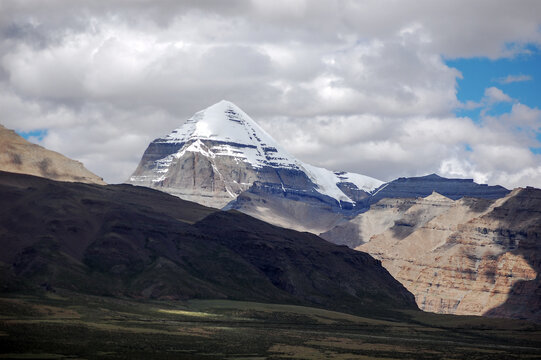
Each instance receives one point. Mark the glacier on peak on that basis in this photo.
(221, 151)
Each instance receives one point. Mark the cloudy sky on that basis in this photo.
(383, 88)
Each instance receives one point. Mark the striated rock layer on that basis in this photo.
(467, 257)
(20, 156)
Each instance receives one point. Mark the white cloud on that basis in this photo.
(462, 168)
(356, 86)
(514, 78)
(494, 95)
(103, 138)
(523, 117)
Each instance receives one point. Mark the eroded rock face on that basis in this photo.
(20, 156)
(196, 177)
(467, 257)
(400, 216)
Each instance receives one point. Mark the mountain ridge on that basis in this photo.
(21, 156)
(422, 186)
(467, 256)
(124, 240)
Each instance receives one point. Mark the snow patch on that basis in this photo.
(363, 182)
(326, 181)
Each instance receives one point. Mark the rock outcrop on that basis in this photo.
(20, 156)
(466, 257)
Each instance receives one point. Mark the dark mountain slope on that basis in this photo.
(304, 265)
(122, 240)
(519, 229)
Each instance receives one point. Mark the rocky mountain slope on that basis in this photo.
(20, 156)
(467, 256)
(220, 152)
(267, 202)
(292, 210)
(122, 240)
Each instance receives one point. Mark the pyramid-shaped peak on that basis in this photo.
(223, 111)
(223, 105)
(222, 122)
(225, 102)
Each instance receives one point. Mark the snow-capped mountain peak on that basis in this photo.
(221, 151)
(233, 133)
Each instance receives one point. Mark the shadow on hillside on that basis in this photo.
(520, 232)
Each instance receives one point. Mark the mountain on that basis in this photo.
(20, 156)
(123, 240)
(466, 257)
(221, 152)
(423, 186)
(221, 157)
(267, 202)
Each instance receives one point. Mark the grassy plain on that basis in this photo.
(74, 326)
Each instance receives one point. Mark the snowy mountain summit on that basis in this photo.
(221, 152)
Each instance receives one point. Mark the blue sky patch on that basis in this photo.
(37, 134)
(518, 77)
